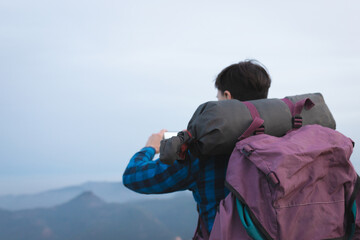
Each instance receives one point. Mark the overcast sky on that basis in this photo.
(84, 83)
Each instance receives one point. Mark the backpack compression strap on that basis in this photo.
(256, 127)
(297, 108)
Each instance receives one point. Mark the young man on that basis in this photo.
(244, 81)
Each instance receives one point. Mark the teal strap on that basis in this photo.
(353, 210)
(246, 221)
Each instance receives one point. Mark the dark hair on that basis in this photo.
(247, 80)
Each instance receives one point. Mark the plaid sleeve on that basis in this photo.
(143, 175)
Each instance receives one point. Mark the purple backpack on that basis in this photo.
(299, 186)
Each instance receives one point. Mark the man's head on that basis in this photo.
(247, 80)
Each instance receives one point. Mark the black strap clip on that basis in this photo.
(297, 122)
(259, 130)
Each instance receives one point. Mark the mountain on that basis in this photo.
(88, 217)
(108, 191)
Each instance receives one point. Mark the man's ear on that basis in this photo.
(227, 95)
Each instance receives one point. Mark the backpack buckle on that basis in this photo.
(259, 130)
(247, 150)
(271, 176)
(297, 122)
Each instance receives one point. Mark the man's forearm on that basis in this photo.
(143, 175)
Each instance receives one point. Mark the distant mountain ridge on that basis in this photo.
(85, 200)
(108, 191)
(88, 217)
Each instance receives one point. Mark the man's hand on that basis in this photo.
(154, 140)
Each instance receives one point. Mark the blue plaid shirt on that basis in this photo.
(204, 178)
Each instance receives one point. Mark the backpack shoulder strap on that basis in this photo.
(246, 221)
(201, 232)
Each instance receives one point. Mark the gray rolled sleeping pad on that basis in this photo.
(216, 126)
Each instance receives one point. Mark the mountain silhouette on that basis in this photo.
(85, 200)
(88, 217)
